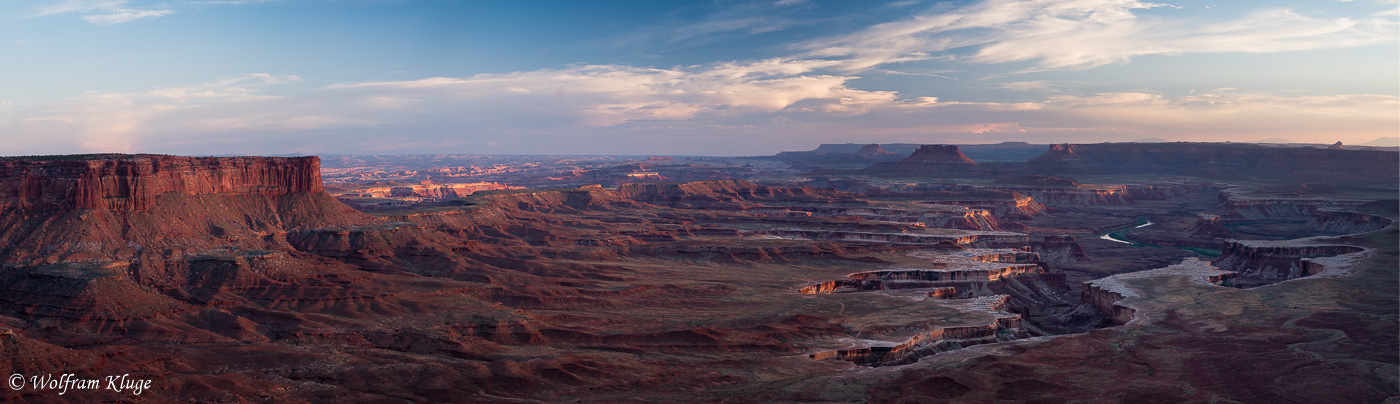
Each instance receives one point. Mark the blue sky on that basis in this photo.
(672, 77)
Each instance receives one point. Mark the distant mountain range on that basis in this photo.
(1384, 141)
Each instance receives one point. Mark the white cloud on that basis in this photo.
(1231, 100)
(721, 21)
(1031, 86)
(77, 6)
(1075, 34)
(101, 12)
(1115, 99)
(608, 95)
(903, 73)
(121, 15)
(542, 102)
(235, 2)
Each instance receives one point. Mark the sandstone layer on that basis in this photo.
(133, 182)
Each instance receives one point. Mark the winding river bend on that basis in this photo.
(1109, 236)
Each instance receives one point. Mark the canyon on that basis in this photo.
(889, 273)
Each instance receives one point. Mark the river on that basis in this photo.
(1109, 236)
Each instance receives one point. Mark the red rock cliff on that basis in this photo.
(132, 182)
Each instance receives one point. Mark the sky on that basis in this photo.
(204, 77)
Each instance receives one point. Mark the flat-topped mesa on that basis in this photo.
(938, 154)
(1222, 160)
(133, 182)
(1261, 208)
(1343, 222)
(1060, 152)
(872, 149)
(1266, 261)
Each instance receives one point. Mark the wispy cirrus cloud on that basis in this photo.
(1077, 34)
(121, 15)
(1032, 86)
(722, 21)
(234, 2)
(101, 12)
(1226, 101)
(609, 95)
(77, 6)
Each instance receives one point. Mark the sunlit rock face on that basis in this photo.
(132, 182)
(130, 209)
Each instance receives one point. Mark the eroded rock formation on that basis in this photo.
(1207, 226)
(931, 159)
(133, 182)
(871, 150)
(1060, 153)
(1272, 261)
(1058, 249)
(1014, 206)
(1267, 208)
(943, 293)
(927, 343)
(1109, 294)
(1342, 222)
(938, 154)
